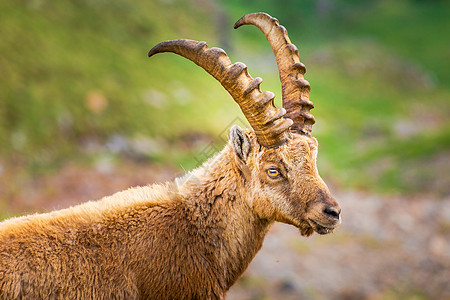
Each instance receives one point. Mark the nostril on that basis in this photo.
(332, 212)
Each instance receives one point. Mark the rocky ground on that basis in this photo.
(388, 247)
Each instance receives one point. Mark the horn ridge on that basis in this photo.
(265, 118)
(253, 85)
(295, 89)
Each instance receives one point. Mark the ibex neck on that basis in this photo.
(216, 195)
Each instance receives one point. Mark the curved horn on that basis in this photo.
(266, 120)
(295, 88)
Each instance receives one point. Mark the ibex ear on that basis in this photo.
(240, 143)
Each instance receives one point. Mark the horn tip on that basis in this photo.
(239, 23)
(159, 48)
(252, 18)
(154, 50)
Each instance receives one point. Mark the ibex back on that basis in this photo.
(191, 238)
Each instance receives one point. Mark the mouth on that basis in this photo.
(322, 228)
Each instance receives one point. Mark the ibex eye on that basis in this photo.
(273, 173)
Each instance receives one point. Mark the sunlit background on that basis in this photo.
(85, 113)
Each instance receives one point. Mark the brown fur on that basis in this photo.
(188, 239)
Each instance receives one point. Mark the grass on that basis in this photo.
(57, 55)
(74, 74)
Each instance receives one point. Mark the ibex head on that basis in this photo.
(277, 159)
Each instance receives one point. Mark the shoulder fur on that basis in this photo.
(95, 211)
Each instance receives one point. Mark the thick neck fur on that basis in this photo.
(223, 201)
(215, 233)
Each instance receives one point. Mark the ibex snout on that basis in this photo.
(332, 212)
(327, 216)
(331, 208)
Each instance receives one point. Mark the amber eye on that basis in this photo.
(273, 173)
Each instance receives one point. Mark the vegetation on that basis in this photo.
(76, 83)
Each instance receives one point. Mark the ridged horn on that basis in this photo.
(295, 88)
(266, 120)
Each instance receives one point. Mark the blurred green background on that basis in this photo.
(76, 84)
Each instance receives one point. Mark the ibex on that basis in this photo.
(191, 238)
